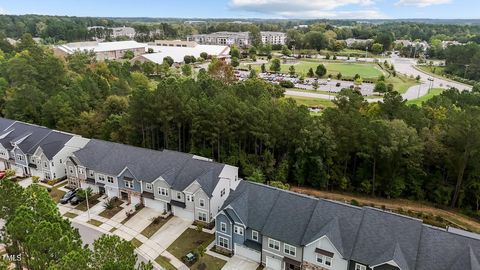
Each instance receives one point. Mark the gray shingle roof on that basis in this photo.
(53, 143)
(178, 169)
(442, 250)
(392, 236)
(5, 123)
(33, 135)
(367, 235)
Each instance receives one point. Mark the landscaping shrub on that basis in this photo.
(35, 179)
(354, 202)
(109, 203)
(287, 84)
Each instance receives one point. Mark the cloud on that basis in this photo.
(310, 8)
(422, 3)
(2, 11)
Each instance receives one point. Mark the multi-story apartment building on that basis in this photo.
(191, 187)
(274, 38)
(286, 230)
(241, 39)
(33, 150)
(116, 32)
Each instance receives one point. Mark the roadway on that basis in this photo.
(89, 235)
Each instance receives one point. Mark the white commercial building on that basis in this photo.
(274, 38)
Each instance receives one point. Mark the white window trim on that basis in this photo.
(162, 190)
(274, 243)
(290, 248)
(206, 216)
(201, 202)
(254, 233)
(324, 260)
(148, 186)
(360, 267)
(108, 179)
(129, 184)
(221, 227)
(238, 230)
(224, 240)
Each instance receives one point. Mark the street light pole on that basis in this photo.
(88, 206)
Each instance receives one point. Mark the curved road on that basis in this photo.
(405, 66)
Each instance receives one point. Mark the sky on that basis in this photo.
(287, 9)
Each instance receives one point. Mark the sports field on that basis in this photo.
(365, 70)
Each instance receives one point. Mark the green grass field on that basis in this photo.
(439, 71)
(401, 83)
(365, 70)
(419, 101)
(313, 102)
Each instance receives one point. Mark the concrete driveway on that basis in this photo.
(25, 182)
(142, 219)
(170, 231)
(237, 262)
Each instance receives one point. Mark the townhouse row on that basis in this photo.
(189, 186)
(286, 230)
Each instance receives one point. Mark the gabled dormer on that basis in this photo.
(127, 180)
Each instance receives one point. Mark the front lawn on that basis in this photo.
(56, 194)
(189, 241)
(136, 243)
(156, 224)
(165, 263)
(91, 200)
(95, 222)
(70, 215)
(115, 208)
(208, 262)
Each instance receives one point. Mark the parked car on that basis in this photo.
(68, 196)
(76, 200)
(2, 174)
(190, 258)
(338, 84)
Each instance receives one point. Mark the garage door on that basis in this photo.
(154, 204)
(2, 166)
(18, 170)
(182, 213)
(248, 253)
(273, 264)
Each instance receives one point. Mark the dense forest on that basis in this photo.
(385, 149)
(62, 28)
